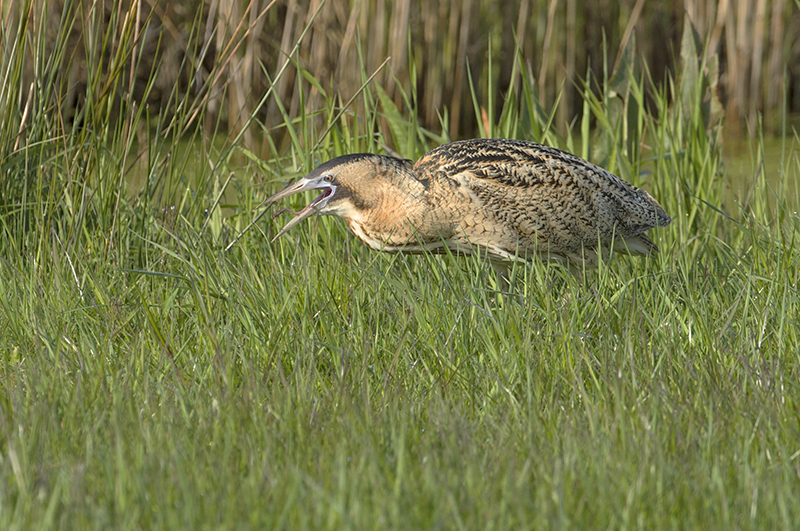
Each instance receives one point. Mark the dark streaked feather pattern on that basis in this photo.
(509, 197)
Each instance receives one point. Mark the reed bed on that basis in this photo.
(456, 47)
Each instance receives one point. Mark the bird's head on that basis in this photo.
(345, 184)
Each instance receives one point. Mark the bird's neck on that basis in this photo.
(395, 207)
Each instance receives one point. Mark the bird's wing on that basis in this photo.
(528, 165)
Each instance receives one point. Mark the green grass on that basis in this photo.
(151, 380)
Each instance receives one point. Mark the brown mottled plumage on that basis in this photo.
(510, 198)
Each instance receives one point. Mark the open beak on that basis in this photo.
(312, 208)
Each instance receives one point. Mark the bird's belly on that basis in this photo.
(404, 239)
(520, 239)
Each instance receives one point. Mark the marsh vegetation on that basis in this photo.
(149, 379)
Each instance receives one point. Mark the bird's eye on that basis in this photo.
(327, 178)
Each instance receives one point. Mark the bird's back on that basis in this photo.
(517, 198)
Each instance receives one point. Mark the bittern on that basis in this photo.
(509, 198)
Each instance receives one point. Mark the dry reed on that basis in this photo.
(445, 42)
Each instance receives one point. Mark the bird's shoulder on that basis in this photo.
(520, 164)
(511, 162)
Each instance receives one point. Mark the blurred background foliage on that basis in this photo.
(439, 51)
